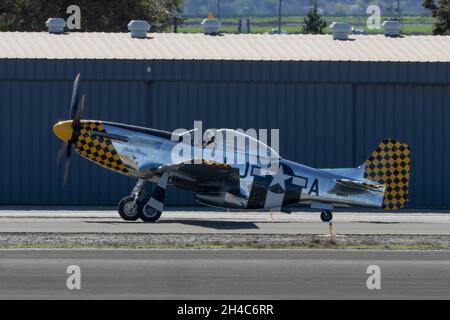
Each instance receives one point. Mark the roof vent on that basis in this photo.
(392, 28)
(244, 21)
(341, 30)
(55, 25)
(211, 25)
(138, 28)
(244, 25)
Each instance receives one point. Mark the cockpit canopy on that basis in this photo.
(241, 147)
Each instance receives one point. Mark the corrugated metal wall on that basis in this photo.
(329, 115)
(29, 148)
(418, 115)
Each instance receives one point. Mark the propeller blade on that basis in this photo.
(75, 97)
(67, 163)
(60, 153)
(76, 112)
(80, 109)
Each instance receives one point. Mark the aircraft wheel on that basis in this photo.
(127, 210)
(147, 213)
(326, 216)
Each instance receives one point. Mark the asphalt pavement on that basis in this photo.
(224, 274)
(203, 221)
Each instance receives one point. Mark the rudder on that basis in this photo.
(389, 165)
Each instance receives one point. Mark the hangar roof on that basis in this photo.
(169, 46)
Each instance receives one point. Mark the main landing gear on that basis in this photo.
(326, 216)
(127, 208)
(138, 205)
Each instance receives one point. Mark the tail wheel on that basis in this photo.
(148, 213)
(128, 209)
(326, 216)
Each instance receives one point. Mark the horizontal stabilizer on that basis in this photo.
(360, 184)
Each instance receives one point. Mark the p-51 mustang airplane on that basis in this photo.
(381, 182)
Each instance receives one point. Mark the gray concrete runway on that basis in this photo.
(222, 274)
(202, 221)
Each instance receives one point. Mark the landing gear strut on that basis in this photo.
(326, 216)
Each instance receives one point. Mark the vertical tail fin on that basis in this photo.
(389, 165)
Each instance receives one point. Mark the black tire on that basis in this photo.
(326, 216)
(147, 213)
(124, 208)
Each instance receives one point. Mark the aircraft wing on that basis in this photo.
(206, 176)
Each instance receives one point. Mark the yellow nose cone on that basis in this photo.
(63, 130)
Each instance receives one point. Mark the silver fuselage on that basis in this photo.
(146, 153)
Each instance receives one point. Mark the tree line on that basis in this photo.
(440, 9)
(113, 16)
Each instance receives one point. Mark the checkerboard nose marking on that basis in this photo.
(98, 148)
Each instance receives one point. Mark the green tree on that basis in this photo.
(314, 23)
(96, 15)
(440, 9)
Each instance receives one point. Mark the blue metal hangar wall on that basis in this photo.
(333, 102)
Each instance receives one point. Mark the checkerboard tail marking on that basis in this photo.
(389, 165)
